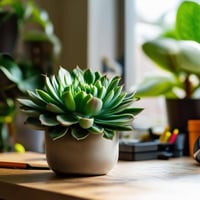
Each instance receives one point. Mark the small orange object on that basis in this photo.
(193, 133)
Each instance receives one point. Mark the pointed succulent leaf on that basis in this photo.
(98, 84)
(54, 108)
(93, 90)
(78, 133)
(50, 89)
(109, 134)
(78, 73)
(89, 76)
(118, 98)
(112, 116)
(64, 77)
(68, 101)
(79, 97)
(107, 99)
(95, 129)
(57, 132)
(45, 96)
(113, 83)
(93, 106)
(134, 111)
(86, 98)
(118, 127)
(36, 98)
(86, 122)
(48, 120)
(66, 120)
(55, 84)
(29, 103)
(118, 121)
(101, 92)
(121, 107)
(30, 112)
(104, 81)
(97, 75)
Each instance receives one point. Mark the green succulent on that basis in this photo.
(80, 102)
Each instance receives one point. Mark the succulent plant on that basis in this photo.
(80, 102)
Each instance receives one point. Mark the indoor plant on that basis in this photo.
(176, 53)
(81, 112)
(15, 80)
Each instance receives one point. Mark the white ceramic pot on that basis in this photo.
(94, 155)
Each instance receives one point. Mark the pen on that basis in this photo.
(21, 165)
(173, 137)
(165, 136)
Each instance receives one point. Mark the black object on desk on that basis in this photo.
(134, 151)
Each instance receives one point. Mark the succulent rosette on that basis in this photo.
(80, 102)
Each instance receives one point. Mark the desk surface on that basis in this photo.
(154, 179)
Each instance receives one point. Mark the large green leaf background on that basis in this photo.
(188, 21)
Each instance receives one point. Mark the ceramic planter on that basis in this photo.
(94, 155)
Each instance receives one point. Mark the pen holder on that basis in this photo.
(193, 134)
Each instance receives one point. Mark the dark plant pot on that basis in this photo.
(179, 111)
(8, 32)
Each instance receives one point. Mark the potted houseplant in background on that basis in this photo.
(40, 43)
(16, 79)
(177, 53)
(81, 113)
(34, 46)
(11, 15)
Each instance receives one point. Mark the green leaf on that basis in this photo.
(155, 85)
(118, 120)
(29, 111)
(64, 77)
(54, 108)
(57, 132)
(188, 58)
(79, 99)
(79, 133)
(93, 106)
(86, 122)
(51, 89)
(89, 76)
(66, 120)
(45, 96)
(114, 82)
(162, 52)
(109, 133)
(101, 92)
(36, 98)
(95, 129)
(29, 103)
(68, 100)
(9, 67)
(48, 120)
(107, 99)
(188, 21)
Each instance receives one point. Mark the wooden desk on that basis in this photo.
(154, 179)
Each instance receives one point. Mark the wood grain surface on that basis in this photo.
(154, 179)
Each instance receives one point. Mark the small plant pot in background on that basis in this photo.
(179, 111)
(194, 133)
(92, 156)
